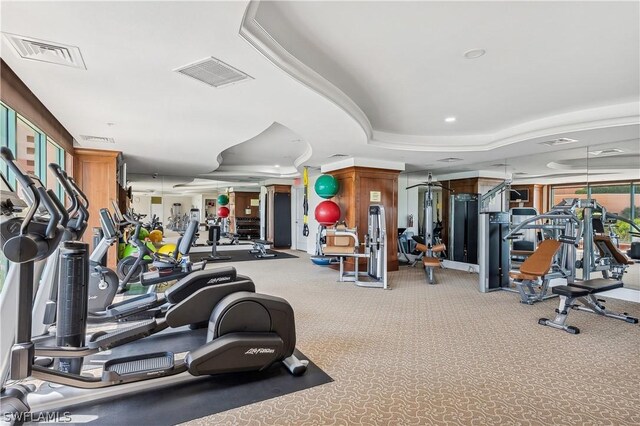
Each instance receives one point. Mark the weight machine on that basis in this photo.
(346, 244)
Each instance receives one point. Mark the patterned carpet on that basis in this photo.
(445, 354)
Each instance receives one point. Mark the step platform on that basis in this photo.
(141, 364)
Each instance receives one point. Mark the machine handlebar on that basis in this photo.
(39, 197)
(64, 181)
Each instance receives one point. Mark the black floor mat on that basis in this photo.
(241, 255)
(195, 399)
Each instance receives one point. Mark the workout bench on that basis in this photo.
(584, 292)
(260, 249)
(534, 271)
(430, 261)
(344, 243)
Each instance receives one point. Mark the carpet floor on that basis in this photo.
(444, 354)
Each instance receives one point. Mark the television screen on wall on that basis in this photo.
(519, 194)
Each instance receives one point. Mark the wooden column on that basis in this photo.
(95, 172)
(239, 220)
(356, 185)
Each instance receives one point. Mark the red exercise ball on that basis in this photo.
(223, 212)
(327, 213)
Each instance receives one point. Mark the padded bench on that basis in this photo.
(534, 271)
(430, 261)
(584, 292)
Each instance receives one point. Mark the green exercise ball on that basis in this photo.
(326, 186)
(223, 200)
(143, 234)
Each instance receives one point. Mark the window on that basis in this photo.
(622, 199)
(8, 137)
(33, 151)
(559, 193)
(55, 154)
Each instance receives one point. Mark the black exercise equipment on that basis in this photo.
(247, 331)
(214, 237)
(260, 249)
(463, 228)
(584, 292)
(493, 259)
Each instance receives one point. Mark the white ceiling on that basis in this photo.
(366, 79)
(403, 64)
(273, 153)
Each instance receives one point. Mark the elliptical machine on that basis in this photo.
(247, 331)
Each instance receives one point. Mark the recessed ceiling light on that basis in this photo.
(450, 119)
(607, 151)
(277, 165)
(559, 141)
(474, 53)
(450, 160)
(111, 124)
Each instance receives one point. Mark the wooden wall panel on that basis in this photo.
(238, 202)
(95, 173)
(356, 183)
(20, 98)
(538, 197)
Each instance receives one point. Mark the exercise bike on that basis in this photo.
(247, 331)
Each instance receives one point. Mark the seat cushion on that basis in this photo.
(608, 249)
(597, 285)
(520, 276)
(540, 261)
(330, 250)
(568, 291)
(438, 248)
(430, 261)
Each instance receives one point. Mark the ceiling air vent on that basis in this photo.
(450, 160)
(213, 72)
(500, 165)
(559, 141)
(608, 151)
(46, 51)
(98, 139)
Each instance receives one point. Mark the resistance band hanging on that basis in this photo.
(305, 202)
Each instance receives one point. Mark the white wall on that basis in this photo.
(408, 203)
(169, 200)
(203, 208)
(142, 204)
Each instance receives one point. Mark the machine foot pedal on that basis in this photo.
(160, 362)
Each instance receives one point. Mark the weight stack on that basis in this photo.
(72, 301)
